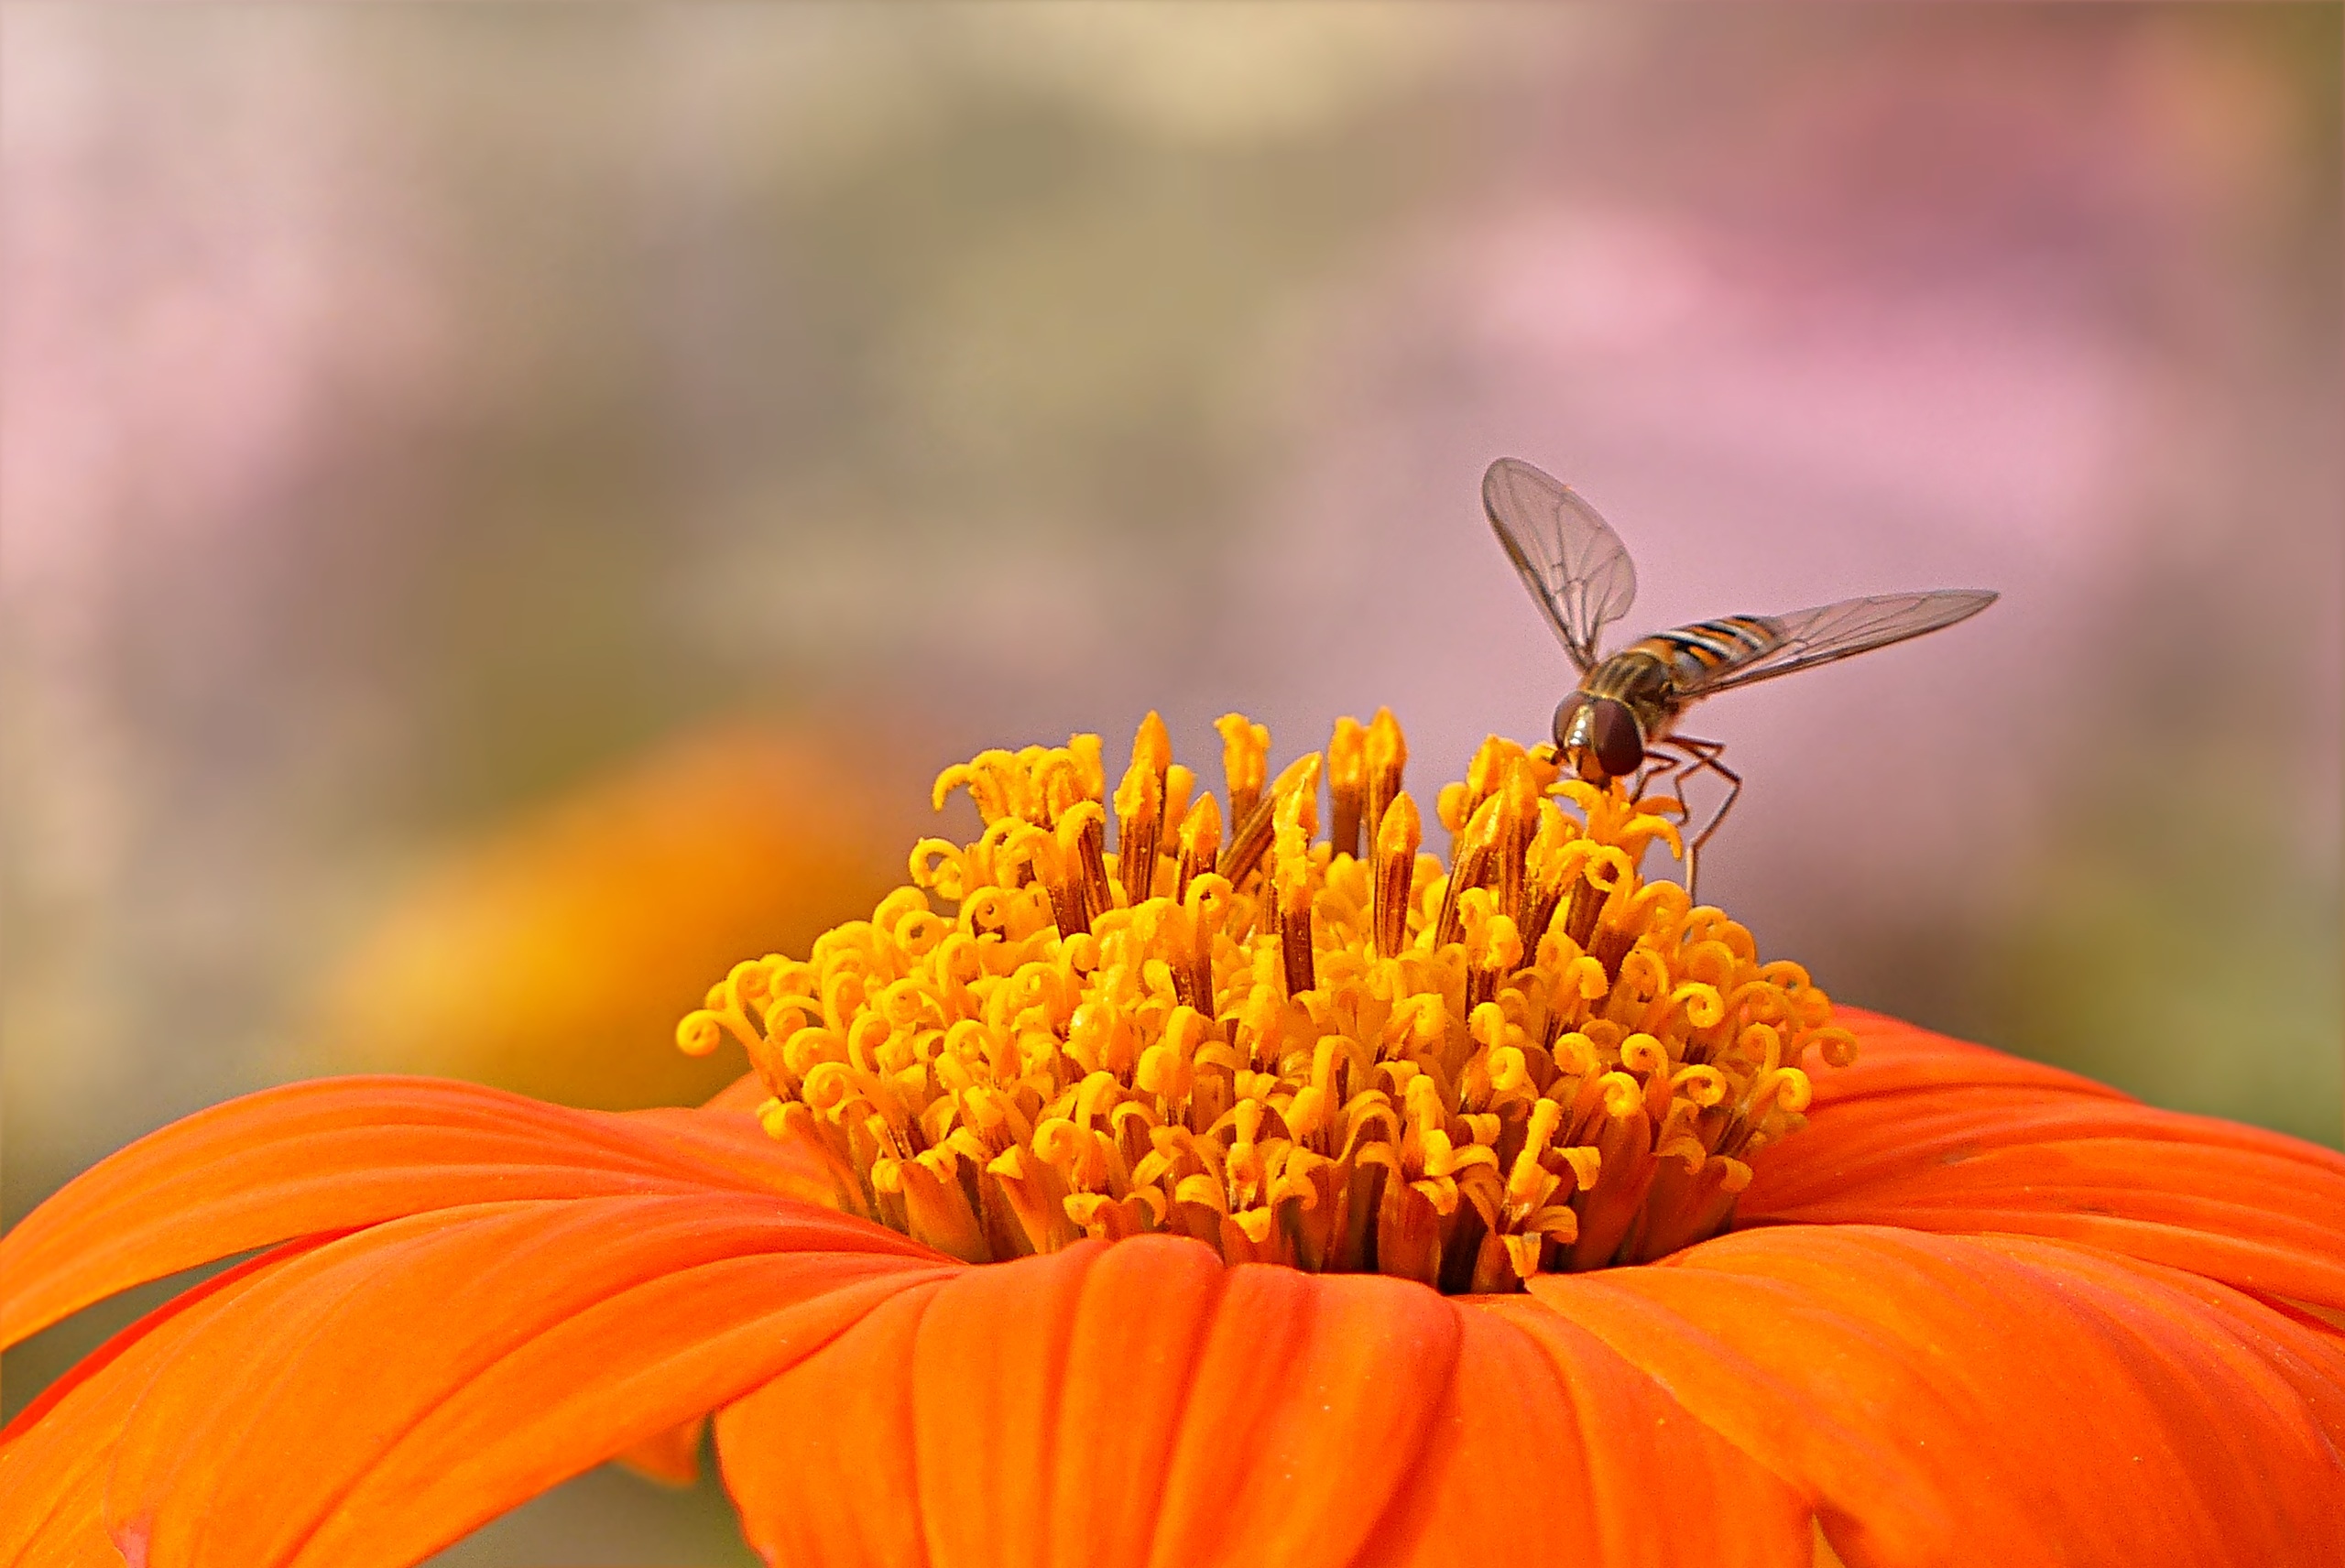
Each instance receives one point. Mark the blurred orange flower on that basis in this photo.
(1968, 1310)
(553, 957)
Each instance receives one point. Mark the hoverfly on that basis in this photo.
(1628, 705)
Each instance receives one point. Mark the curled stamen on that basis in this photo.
(1282, 1048)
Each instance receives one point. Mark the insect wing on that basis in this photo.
(1849, 626)
(1573, 563)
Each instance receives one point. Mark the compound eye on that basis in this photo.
(1619, 747)
(1566, 712)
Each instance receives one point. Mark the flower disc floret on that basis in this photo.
(1332, 1052)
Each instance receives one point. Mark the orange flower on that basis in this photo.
(1025, 1279)
(547, 956)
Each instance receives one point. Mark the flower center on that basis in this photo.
(1334, 1053)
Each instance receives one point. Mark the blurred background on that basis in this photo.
(506, 508)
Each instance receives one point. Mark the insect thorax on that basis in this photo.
(1639, 675)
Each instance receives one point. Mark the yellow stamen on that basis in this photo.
(1346, 784)
(1255, 828)
(1200, 844)
(1532, 1062)
(1244, 758)
(1292, 879)
(1397, 838)
(1388, 754)
(1140, 809)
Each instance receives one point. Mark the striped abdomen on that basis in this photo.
(1697, 655)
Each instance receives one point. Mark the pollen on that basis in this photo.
(1334, 1053)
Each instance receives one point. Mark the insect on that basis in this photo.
(1623, 718)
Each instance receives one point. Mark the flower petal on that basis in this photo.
(673, 1456)
(1950, 1399)
(1931, 1134)
(732, 1141)
(53, 1455)
(1028, 1408)
(670, 1456)
(821, 1463)
(744, 1094)
(2270, 1345)
(1894, 1057)
(433, 1371)
(1141, 1404)
(336, 1153)
(1543, 1411)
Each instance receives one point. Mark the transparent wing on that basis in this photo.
(1850, 627)
(1573, 563)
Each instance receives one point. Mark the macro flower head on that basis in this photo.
(1238, 1194)
(1326, 1052)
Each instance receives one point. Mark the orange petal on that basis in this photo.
(1139, 1403)
(1896, 1057)
(436, 1370)
(732, 1141)
(54, 1454)
(1099, 1371)
(746, 1093)
(821, 1463)
(1543, 1409)
(671, 1457)
(1906, 1072)
(2269, 1342)
(337, 1153)
(1128, 1404)
(1950, 1138)
(1955, 1400)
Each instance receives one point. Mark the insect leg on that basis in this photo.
(1663, 769)
(1659, 769)
(1656, 770)
(1702, 757)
